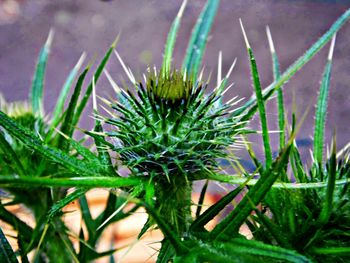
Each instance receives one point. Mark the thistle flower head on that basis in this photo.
(170, 127)
(21, 111)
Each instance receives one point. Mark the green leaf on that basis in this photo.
(234, 179)
(82, 181)
(255, 248)
(113, 203)
(83, 246)
(238, 250)
(334, 251)
(103, 154)
(86, 153)
(165, 228)
(260, 101)
(111, 259)
(136, 191)
(250, 107)
(6, 253)
(87, 217)
(93, 255)
(199, 36)
(33, 142)
(201, 198)
(166, 252)
(67, 125)
(331, 180)
(273, 228)
(21, 248)
(231, 224)
(170, 43)
(297, 165)
(215, 209)
(16, 223)
(58, 206)
(321, 108)
(280, 100)
(150, 192)
(57, 112)
(97, 74)
(36, 95)
(11, 156)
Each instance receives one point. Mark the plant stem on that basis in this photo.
(89, 182)
(239, 180)
(174, 201)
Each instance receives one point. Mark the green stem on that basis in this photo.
(235, 179)
(89, 182)
(174, 202)
(331, 250)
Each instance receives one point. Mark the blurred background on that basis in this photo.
(92, 25)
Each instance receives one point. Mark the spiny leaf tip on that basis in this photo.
(331, 49)
(244, 34)
(269, 38)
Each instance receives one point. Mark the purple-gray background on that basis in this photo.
(91, 26)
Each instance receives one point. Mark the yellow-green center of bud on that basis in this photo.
(173, 87)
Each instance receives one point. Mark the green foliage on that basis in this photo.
(280, 100)
(6, 253)
(170, 43)
(172, 133)
(171, 130)
(36, 95)
(199, 36)
(321, 108)
(239, 250)
(310, 219)
(250, 107)
(260, 101)
(64, 92)
(97, 74)
(44, 162)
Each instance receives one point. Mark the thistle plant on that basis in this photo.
(169, 130)
(18, 159)
(172, 133)
(312, 219)
(49, 236)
